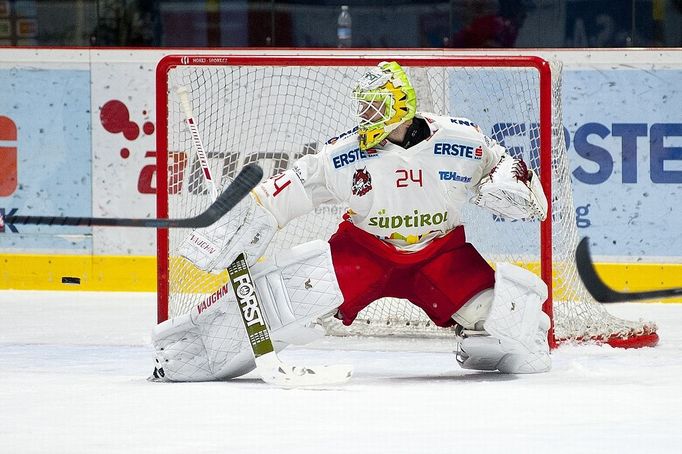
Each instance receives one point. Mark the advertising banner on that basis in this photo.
(625, 135)
(45, 155)
(124, 152)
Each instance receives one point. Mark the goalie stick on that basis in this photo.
(602, 292)
(183, 94)
(242, 184)
(271, 369)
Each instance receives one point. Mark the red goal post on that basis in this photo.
(272, 109)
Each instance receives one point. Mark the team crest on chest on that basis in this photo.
(362, 182)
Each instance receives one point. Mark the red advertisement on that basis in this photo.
(8, 156)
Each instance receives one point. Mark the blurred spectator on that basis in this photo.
(127, 23)
(497, 29)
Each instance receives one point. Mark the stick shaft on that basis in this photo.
(240, 187)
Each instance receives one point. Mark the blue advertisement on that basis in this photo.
(625, 150)
(623, 131)
(45, 150)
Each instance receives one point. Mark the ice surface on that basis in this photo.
(73, 370)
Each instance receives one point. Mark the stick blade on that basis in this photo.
(588, 274)
(602, 292)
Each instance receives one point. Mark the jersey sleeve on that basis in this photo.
(296, 191)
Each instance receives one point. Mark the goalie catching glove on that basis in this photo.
(513, 191)
(248, 228)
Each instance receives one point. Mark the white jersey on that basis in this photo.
(406, 197)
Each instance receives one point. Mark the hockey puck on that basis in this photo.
(71, 280)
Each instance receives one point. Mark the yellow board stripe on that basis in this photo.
(138, 273)
(637, 277)
(93, 273)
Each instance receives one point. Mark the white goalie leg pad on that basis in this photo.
(296, 288)
(210, 342)
(514, 339)
(515, 314)
(534, 361)
(248, 228)
(206, 344)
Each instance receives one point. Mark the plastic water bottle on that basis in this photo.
(344, 28)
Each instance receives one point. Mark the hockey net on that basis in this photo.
(273, 110)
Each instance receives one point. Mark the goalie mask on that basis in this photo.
(386, 100)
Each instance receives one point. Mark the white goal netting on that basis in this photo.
(274, 113)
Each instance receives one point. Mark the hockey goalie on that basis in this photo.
(403, 176)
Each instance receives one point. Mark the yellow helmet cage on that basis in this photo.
(386, 100)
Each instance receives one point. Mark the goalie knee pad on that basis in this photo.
(475, 311)
(295, 288)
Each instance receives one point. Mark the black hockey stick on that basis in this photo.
(602, 292)
(243, 183)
